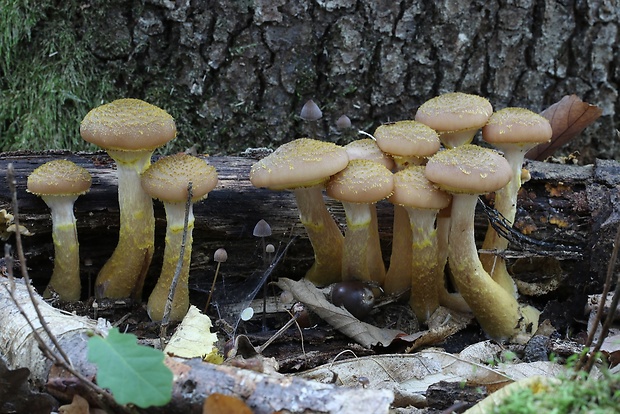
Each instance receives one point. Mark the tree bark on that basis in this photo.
(236, 74)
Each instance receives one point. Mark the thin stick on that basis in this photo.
(177, 272)
(585, 361)
(217, 270)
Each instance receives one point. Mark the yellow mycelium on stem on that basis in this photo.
(59, 183)
(130, 130)
(422, 201)
(304, 165)
(358, 187)
(514, 131)
(167, 180)
(468, 171)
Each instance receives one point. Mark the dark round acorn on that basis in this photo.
(356, 297)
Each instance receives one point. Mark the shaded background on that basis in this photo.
(235, 74)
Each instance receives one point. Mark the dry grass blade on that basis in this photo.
(568, 118)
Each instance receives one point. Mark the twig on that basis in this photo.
(177, 272)
(586, 361)
(298, 309)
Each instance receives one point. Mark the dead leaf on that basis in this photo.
(16, 395)
(568, 118)
(365, 334)
(224, 404)
(78, 406)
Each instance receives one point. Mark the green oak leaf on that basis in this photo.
(134, 373)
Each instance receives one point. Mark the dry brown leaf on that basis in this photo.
(224, 404)
(365, 334)
(568, 118)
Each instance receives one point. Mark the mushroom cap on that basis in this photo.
(128, 125)
(311, 111)
(516, 126)
(413, 189)
(407, 138)
(303, 162)
(468, 169)
(167, 178)
(455, 111)
(363, 181)
(368, 149)
(59, 177)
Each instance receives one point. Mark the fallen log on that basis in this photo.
(572, 210)
(194, 380)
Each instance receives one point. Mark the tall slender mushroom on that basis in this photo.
(167, 180)
(409, 143)
(468, 171)
(358, 187)
(59, 183)
(422, 200)
(304, 165)
(456, 116)
(514, 131)
(129, 130)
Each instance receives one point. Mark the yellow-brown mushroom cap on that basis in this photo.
(516, 126)
(363, 181)
(407, 138)
(128, 125)
(59, 177)
(303, 162)
(468, 169)
(368, 149)
(167, 178)
(413, 189)
(455, 111)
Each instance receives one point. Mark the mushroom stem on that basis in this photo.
(361, 258)
(65, 279)
(400, 259)
(175, 217)
(424, 299)
(496, 310)
(124, 273)
(324, 234)
(506, 204)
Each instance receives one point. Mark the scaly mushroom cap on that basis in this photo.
(363, 181)
(167, 178)
(468, 169)
(367, 149)
(303, 162)
(516, 126)
(128, 125)
(59, 177)
(413, 189)
(454, 111)
(407, 138)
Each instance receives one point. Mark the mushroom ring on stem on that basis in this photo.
(129, 130)
(359, 187)
(167, 180)
(59, 183)
(304, 166)
(514, 131)
(468, 171)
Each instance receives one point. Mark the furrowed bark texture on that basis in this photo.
(236, 74)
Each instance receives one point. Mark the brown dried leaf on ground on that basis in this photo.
(365, 334)
(568, 118)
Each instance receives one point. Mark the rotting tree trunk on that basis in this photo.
(194, 379)
(561, 205)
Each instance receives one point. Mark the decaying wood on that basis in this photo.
(561, 205)
(194, 380)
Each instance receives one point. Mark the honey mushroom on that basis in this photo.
(59, 183)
